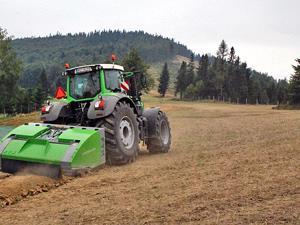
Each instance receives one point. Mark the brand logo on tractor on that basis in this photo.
(83, 70)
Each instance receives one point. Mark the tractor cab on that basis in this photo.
(85, 83)
(92, 92)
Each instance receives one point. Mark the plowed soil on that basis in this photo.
(229, 164)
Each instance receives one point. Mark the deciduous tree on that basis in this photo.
(134, 63)
(10, 69)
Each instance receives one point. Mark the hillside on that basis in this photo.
(219, 77)
(53, 51)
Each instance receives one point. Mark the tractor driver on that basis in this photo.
(91, 86)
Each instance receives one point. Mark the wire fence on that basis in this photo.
(241, 101)
(10, 110)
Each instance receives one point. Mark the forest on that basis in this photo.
(31, 67)
(225, 77)
(52, 52)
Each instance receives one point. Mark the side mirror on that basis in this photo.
(60, 93)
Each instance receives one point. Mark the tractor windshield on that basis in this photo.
(85, 85)
(113, 79)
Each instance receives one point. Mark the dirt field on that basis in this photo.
(229, 164)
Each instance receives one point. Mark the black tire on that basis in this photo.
(117, 153)
(161, 142)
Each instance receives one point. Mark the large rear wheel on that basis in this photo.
(121, 135)
(161, 141)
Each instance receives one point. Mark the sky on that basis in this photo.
(264, 33)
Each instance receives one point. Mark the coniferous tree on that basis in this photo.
(221, 67)
(243, 83)
(273, 92)
(180, 84)
(164, 80)
(202, 70)
(38, 98)
(53, 75)
(295, 84)
(222, 51)
(232, 55)
(230, 81)
(190, 71)
(282, 91)
(44, 87)
(202, 75)
(30, 99)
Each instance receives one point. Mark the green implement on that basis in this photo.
(52, 150)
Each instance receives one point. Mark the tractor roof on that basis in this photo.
(104, 66)
(91, 67)
(112, 66)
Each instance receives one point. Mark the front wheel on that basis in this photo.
(161, 142)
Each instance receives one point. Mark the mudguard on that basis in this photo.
(151, 116)
(55, 111)
(109, 106)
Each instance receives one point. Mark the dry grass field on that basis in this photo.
(229, 164)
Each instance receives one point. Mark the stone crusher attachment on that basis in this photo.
(52, 150)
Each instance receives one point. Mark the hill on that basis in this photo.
(224, 76)
(53, 51)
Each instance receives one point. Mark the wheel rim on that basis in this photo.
(126, 132)
(164, 132)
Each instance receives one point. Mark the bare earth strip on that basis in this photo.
(229, 164)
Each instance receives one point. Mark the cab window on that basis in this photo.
(85, 85)
(113, 79)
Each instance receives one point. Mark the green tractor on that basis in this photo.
(99, 119)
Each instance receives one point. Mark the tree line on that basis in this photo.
(225, 77)
(222, 77)
(14, 99)
(19, 98)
